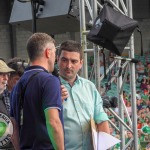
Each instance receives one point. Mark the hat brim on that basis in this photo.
(6, 70)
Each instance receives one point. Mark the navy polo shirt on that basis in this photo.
(42, 92)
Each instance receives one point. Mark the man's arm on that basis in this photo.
(55, 129)
(103, 126)
(15, 136)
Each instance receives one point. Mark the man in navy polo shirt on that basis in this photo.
(40, 121)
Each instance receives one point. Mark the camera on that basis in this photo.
(110, 102)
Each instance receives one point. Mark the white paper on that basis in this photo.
(95, 136)
(102, 140)
(106, 141)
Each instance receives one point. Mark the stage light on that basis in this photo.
(112, 30)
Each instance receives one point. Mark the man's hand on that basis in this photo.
(64, 93)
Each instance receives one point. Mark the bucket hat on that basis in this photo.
(4, 68)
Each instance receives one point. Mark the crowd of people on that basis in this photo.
(142, 96)
(143, 107)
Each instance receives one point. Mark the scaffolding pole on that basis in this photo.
(127, 10)
(83, 37)
(132, 83)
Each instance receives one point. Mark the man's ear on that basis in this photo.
(47, 53)
(81, 63)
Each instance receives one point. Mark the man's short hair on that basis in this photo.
(71, 46)
(36, 44)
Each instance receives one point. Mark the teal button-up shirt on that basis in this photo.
(84, 102)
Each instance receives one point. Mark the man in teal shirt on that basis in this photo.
(83, 102)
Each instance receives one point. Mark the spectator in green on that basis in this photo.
(146, 131)
(128, 137)
(142, 117)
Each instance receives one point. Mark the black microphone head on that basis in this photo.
(55, 72)
(106, 102)
(114, 101)
(133, 60)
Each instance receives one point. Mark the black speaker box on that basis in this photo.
(58, 16)
(112, 30)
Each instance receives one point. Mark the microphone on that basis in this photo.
(56, 73)
(110, 101)
(133, 60)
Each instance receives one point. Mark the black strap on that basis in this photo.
(21, 99)
(105, 75)
(24, 89)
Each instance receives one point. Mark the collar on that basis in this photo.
(31, 68)
(63, 81)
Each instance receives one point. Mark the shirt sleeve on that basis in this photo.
(99, 113)
(51, 97)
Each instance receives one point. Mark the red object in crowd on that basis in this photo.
(139, 125)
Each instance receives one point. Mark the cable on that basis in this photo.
(105, 75)
(138, 29)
